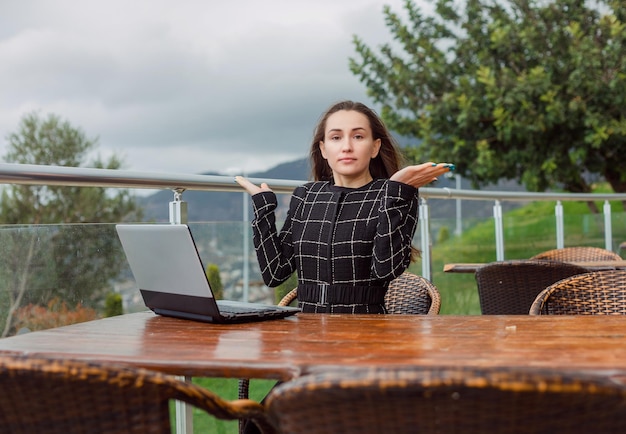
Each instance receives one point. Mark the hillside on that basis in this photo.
(218, 206)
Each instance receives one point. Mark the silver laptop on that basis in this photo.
(170, 275)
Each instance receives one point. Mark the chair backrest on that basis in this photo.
(69, 397)
(510, 287)
(412, 294)
(596, 293)
(289, 297)
(578, 253)
(447, 400)
(407, 294)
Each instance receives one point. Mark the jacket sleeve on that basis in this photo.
(397, 222)
(274, 250)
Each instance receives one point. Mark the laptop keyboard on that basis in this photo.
(226, 307)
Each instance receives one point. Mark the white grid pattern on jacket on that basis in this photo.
(335, 235)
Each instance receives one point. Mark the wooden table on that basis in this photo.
(591, 265)
(288, 348)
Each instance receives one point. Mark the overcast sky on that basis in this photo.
(185, 86)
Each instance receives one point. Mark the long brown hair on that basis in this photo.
(386, 163)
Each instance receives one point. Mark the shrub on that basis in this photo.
(56, 314)
(213, 274)
(113, 305)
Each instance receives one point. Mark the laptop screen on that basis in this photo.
(164, 258)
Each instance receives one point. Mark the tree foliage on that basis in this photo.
(42, 259)
(528, 90)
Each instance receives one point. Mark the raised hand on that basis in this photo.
(250, 187)
(421, 174)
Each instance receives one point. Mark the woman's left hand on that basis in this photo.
(421, 174)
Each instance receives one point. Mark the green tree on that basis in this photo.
(42, 260)
(528, 90)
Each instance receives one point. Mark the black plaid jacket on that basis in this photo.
(337, 236)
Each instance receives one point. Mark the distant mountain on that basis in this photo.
(299, 169)
(206, 206)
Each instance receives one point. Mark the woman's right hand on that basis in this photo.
(250, 187)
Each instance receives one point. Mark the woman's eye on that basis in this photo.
(358, 137)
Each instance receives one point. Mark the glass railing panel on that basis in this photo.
(52, 275)
(525, 236)
(476, 244)
(222, 244)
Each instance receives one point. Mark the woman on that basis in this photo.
(348, 233)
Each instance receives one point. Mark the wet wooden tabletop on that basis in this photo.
(287, 348)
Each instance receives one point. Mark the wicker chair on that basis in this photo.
(510, 287)
(407, 294)
(447, 400)
(44, 395)
(596, 293)
(579, 253)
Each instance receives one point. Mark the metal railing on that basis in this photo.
(26, 174)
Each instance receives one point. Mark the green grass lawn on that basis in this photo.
(227, 388)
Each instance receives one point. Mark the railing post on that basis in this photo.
(459, 215)
(178, 208)
(560, 233)
(246, 247)
(608, 228)
(184, 412)
(497, 217)
(425, 238)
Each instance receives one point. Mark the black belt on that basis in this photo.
(341, 294)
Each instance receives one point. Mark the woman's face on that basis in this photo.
(348, 146)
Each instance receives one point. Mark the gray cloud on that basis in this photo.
(184, 86)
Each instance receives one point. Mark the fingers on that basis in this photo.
(250, 187)
(444, 167)
(242, 181)
(422, 174)
(247, 185)
(440, 169)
